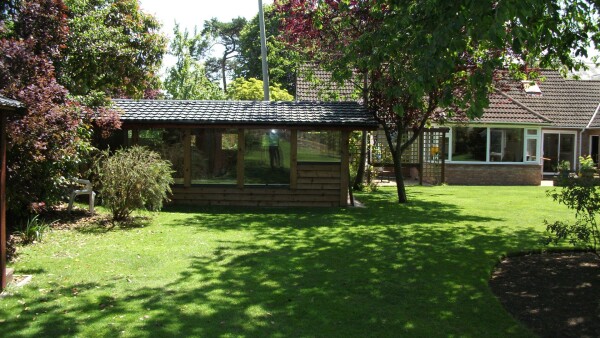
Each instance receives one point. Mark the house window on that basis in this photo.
(502, 145)
(214, 156)
(469, 144)
(531, 143)
(168, 143)
(267, 156)
(319, 146)
(506, 145)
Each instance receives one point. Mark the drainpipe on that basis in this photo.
(585, 128)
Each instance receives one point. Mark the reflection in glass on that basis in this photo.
(267, 156)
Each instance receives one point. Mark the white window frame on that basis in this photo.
(525, 128)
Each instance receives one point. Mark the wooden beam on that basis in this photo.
(240, 158)
(187, 158)
(294, 159)
(135, 137)
(3, 276)
(345, 168)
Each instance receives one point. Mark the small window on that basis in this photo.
(319, 146)
(531, 87)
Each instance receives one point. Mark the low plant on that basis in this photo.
(587, 167)
(583, 197)
(134, 178)
(33, 231)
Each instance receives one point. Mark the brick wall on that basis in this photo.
(493, 174)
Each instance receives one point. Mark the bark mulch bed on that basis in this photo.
(554, 294)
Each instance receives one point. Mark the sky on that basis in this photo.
(190, 13)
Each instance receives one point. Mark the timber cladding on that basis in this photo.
(317, 185)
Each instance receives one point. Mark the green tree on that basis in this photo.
(281, 59)
(113, 48)
(429, 60)
(226, 34)
(252, 89)
(187, 80)
(53, 138)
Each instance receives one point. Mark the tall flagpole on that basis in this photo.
(263, 50)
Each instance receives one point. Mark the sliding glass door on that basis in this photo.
(558, 146)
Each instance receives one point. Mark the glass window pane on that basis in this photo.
(567, 148)
(267, 156)
(319, 146)
(506, 145)
(532, 132)
(169, 144)
(469, 144)
(214, 156)
(531, 150)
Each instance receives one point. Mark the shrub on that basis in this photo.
(134, 178)
(583, 196)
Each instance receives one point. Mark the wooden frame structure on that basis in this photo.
(7, 107)
(310, 183)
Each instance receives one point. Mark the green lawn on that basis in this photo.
(416, 270)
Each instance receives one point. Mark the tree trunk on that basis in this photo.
(223, 64)
(360, 173)
(400, 187)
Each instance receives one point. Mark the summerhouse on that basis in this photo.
(250, 153)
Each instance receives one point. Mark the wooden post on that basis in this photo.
(345, 168)
(443, 154)
(421, 157)
(3, 203)
(135, 137)
(187, 158)
(294, 160)
(240, 158)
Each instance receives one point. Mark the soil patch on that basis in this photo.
(554, 294)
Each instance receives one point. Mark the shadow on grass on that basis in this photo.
(386, 270)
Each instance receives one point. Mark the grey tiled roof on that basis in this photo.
(246, 113)
(315, 84)
(567, 103)
(10, 103)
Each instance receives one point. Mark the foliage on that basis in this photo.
(219, 271)
(33, 231)
(281, 59)
(226, 34)
(581, 195)
(587, 167)
(45, 144)
(428, 61)
(252, 89)
(113, 48)
(187, 80)
(134, 178)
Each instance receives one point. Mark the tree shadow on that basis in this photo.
(386, 270)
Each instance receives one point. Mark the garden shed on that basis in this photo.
(250, 153)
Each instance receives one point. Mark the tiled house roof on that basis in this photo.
(563, 103)
(315, 84)
(246, 113)
(567, 103)
(504, 109)
(9, 103)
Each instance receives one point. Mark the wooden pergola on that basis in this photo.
(7, 107)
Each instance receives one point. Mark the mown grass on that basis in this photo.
(417, 270)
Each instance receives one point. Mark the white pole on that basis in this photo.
(263, 50)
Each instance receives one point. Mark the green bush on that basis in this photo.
(581, 195)
(134, 178)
